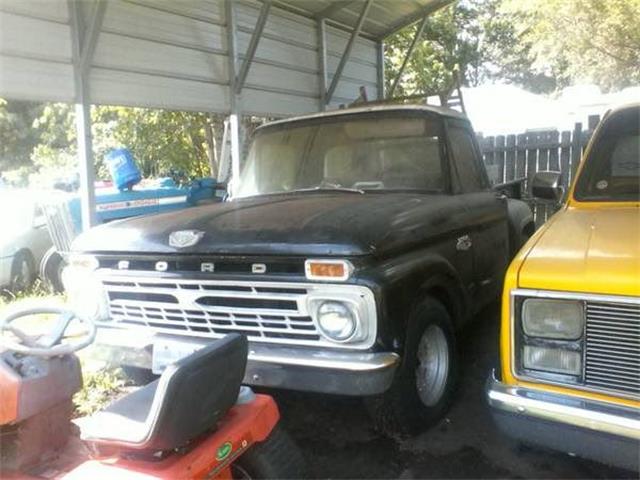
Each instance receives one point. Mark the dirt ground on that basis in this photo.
(338, 440)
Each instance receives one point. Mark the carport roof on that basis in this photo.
(384, 18)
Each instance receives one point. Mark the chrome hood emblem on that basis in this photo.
(185, 238)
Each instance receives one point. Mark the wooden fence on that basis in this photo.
(512, 157)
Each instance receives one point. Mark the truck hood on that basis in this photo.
(312, 223)
(587, 250)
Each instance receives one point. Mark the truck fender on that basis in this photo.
(521, 224)
(411, 280)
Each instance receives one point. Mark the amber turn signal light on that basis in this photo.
(328, 269)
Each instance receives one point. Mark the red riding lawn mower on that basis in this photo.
(195, 421)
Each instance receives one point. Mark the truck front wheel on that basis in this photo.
(425, 382)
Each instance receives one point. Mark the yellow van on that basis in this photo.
(569, 377)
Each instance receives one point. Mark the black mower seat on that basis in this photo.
(188, 399)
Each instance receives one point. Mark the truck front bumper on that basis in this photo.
(597, 430)
(292, 368)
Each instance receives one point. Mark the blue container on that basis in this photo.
(123, 169)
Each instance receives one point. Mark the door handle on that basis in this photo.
(464, 243)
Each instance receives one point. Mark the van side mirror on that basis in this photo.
(546, 185)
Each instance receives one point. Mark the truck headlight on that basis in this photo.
(336, 321)
(557, 319)
(554, 360)
(549, 338)
(85, 292)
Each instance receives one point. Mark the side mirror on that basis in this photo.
(511, 189)
(546, 185)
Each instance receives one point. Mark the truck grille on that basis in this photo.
(612, 350)
(264, 312)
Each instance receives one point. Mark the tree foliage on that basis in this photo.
(163, 142)
(18, 134)
(542, 45)
(448, 48)
(573, 41)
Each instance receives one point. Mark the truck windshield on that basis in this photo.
(612, 170)
(345, 154)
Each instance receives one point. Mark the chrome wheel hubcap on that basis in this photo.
(433, 365)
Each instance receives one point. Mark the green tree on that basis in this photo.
(542, 45)
(579, 40)
(163, 142)
(17, 137)
(447, 49)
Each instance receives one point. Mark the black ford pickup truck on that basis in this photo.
(354, 247)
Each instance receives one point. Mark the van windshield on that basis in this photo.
(612, 169)
(357, 154)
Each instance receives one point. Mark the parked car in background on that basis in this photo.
(24, 238)
(357, 245)
(570, 349)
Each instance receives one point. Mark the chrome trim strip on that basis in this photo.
(554, 294)
(589, 414)
(353, 362)
(321, 358)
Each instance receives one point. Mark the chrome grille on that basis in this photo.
(265, 312)
(612, 348)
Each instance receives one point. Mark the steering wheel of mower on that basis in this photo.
(49, 344)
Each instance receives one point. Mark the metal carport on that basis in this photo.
(266, 58)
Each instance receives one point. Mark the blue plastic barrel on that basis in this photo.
(123, 169)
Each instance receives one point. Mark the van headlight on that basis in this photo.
(557, 319)
(550, 338)
(85, 293)
(554, 360)
(336, 320)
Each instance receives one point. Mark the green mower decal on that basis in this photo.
(223, 451)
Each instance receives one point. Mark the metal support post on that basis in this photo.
(253, 46)
(234, 130)
(412, 47)
(347, 52)
(322, 61)
(83, 42)
(380, 70)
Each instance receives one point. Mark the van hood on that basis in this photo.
(589, 250)
(311, 223)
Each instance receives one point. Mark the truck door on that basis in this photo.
(486, 229)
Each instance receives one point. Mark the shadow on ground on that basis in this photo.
(338, 440)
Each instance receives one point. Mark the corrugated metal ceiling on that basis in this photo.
(384, 18)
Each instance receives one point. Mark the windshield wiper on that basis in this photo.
(326, 188)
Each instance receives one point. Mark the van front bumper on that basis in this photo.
(596, 430)
(292, 368)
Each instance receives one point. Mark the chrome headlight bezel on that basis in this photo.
(546, 344)
(359, 300)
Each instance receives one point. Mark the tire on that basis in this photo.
(425, 383)
(23, 271)
(51, 270)
(276, 457)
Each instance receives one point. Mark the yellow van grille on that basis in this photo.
(612, 353)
